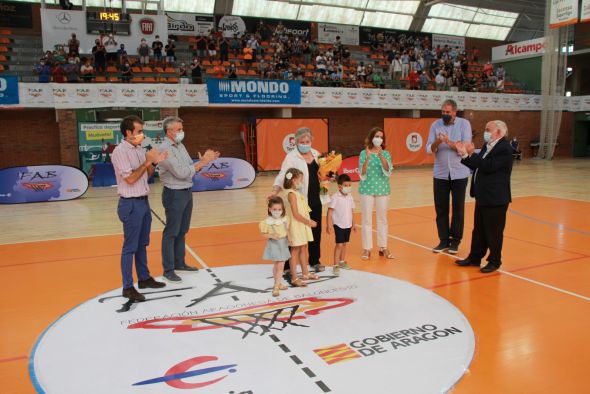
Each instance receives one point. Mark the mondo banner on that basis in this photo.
(41, 183)
(220, 331)
(253, 92)
(223, 174)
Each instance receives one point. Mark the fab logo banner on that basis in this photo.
(276, 137)
(406, 141)
(223, 174)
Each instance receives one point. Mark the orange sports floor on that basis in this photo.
(531, 319)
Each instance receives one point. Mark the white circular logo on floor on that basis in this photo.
(220, 331)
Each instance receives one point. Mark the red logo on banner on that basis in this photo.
(350, 167)
(147, 26)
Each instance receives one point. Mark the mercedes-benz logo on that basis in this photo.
(64, 17)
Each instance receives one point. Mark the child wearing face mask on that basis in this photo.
(276, 229)
(340, 219)
(300, 226)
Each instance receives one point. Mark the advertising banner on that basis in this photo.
(180, 24)
(224, 173)
(276, 137)
(327, 33)
(368, 35)
(585, 11)
(41, 183)
(253, 91)
(452, 41)
(350, 167)
(58, 26)
(232, 24)
(13, 14)
(9, 90)
(563, 13)
(406, 140)
(519, 50)
(98, 140)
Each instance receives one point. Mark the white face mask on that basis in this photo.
(179, 137)
(377, 141)
(276, 213)
(346, 189)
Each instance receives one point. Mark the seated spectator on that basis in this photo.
(59, 56)
(72, 71)
(440, 80)
(121, 54)
(125, 71)
(377, 80)
(414, 80)
(87, 71)
(354, 82)
(143, 50)
(58, 73)
(196, 72)
(360, 72)
(321, 63)
(43, 69)
(423, 79)
(232, 72)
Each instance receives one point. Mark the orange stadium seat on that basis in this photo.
(113, 79)
(3, 58)
(136, 79)
(5, 32)
(170, 70)
(172, 80)
(3, 49)
(146, 69)
(4, 40)
(112, 69)
(252, 72)
(100, 78)
(149, 80)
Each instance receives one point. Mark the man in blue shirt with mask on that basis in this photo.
(450, 176)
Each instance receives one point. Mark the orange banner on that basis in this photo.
(275, 138)
(406, 140)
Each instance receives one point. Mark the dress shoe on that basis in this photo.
(172, 277)
(186, 268)
(467, 263)
(490, 267)
(150, 283)
(133, 294)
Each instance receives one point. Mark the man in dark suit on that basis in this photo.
(490, 185)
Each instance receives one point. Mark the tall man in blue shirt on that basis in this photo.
(450, 176)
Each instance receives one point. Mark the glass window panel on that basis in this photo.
(199, 6)
(104, 3)
(387, 20)
(492, 17)
(134, 5)
(458, 12)
(341, 3)
(408, 7)
(442, 26)
(265, 9)
(319, 13)
(488, 32)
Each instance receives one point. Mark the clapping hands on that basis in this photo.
(155, 156)
(209, 156)
(464, 148)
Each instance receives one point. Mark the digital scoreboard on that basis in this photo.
(104, 22)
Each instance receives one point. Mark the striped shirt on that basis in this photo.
(126, 158)
(447, 163)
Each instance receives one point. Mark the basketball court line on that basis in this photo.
(500, 271)
(548, 223)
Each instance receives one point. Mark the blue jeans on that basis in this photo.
(178, 205)
(137, 222)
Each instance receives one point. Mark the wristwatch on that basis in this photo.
(155, 164)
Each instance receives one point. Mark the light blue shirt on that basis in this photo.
(447, 161)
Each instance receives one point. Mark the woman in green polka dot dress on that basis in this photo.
(375, 169)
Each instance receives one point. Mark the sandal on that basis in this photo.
(275, 291)
(385, 252)
(319, 268)
(296, 282)
(310, 277)
(282, 286)
(366, 254)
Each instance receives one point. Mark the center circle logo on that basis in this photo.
(289, 143)
(414, 141)
(221, 331)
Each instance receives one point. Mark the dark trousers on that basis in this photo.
(136, 217)
(178, 205)
(443, 189)
(488, 233)
(313, 248)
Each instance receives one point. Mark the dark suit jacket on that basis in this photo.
(490, 183)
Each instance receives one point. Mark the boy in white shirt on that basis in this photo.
(340, 218)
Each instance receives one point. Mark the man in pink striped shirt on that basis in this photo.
(133, 167)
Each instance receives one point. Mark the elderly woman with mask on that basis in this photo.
(305, 159)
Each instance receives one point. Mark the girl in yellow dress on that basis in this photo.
(300, 226)
(276, 229)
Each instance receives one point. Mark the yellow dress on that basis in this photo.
(300, 233)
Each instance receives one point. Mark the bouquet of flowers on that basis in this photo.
(329, 164)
